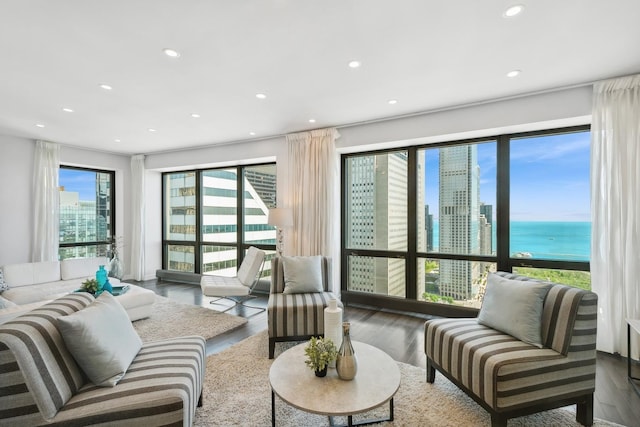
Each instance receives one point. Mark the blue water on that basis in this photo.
(566, 241)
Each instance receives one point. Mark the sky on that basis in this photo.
(80, 181)
(549, 177)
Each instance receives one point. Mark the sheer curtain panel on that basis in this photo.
(313, 180)
(46, 208)
(137, 217)
(615, 209)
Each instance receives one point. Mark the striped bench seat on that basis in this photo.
(41, 384)
(511, 378)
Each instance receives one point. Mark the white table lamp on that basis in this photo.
(280, 218)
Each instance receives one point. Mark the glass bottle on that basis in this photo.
(346, 363)
(101, 277)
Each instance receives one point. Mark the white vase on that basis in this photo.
(333, 325)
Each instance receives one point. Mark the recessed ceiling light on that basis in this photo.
(67, 110)
(261, 95)
(151, 130)
(105, 86)
(171, 53)
(252, 133)
(513, 73)
(116, 140)
(354, 64)
(39, 125)
(195, 115)
(393, 101)
(312, 120)
(513, 11)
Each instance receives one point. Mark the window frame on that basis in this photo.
(240, 245)
(112, 208)
(502, 258)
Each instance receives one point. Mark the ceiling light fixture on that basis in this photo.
(171, 53)
(67, 110)
(195, 115)
(312, 120)
(105, 86)
(252, 133)
(151, 130)
(39, 125)
(261, 95)
(354, 64)
(513, 11)
(116, 140)
(513, 73)
(393, 101)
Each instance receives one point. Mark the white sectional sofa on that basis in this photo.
(36, 283)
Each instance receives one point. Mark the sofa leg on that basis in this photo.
(584, 412)
(431, 372)
(200, 401)
(498, 420)
(272, 347)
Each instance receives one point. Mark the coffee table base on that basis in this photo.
(350, 422)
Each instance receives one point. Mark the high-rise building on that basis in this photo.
(459, 233)
(428, 221)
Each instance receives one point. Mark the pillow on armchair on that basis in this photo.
(302, 274)
(514, 307)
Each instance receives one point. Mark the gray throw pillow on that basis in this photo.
(302, 274)
(101, 339)
(514, 307)
(3, 286)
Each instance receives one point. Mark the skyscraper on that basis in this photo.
(459, 195)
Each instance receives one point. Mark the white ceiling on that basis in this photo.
(426, 54)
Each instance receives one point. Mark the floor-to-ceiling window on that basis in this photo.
(87, 223)
(424, 225)
(211, 216)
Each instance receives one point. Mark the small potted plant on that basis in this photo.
(320, 353)
(90, 285)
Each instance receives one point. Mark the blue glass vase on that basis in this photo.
(101, 278)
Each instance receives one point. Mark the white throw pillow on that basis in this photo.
(302, 274)
(101, 339)
(514, 307)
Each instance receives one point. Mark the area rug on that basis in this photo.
(171, 319)
(237, 393)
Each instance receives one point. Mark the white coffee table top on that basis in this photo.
(377, 380)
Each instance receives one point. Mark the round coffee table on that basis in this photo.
(376, 382)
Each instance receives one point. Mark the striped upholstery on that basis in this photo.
(296, 316)
(506, 374)
(161, 387)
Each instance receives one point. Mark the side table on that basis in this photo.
(635, 325)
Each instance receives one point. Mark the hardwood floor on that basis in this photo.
(401, 335)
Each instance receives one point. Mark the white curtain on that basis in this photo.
(313, 180)
(46, 207)
(137, 217)
(615, 209)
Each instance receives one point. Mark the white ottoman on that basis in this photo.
(137, 301)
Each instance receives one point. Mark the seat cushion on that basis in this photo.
(292, 315)
(220, 286)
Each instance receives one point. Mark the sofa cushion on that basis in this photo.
(101, 339)
(514, 307)
(302, 274)
(31, 273)
(81, 268)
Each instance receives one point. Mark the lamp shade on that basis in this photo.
(280, 217)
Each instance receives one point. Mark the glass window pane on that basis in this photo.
(577, 279)
(456, 199)
(550, 197)
(453, 281)
(85, 211)
(180, 202)
(384, 276)
(376, 190)
(219, 260)
(91, 251)
(181, 258)
(219, 205)
(259, 197)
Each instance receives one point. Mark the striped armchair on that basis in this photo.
(41, 384)
(510, 378)
(296, 317)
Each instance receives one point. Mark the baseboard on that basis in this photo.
(178, 276)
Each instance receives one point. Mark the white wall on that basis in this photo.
(539, 111)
